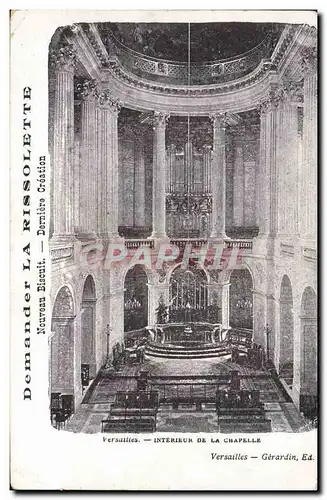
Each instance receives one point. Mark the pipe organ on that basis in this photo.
(188, 191)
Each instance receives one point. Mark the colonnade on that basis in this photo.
(98, 165)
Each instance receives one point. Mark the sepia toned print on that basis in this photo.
(183, 227)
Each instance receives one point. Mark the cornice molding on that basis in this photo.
(100, 51)
(233, 102)
(87, 63)
(117, 70)
(234, 96)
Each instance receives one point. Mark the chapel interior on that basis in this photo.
(198, 136)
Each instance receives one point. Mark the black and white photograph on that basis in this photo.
(166, 240)
(183, 226)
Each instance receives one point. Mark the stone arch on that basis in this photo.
(308, 364)
(188, 294)
(66, 296)
(227, 272)
(286, 331)
(136, 298)
(241, 298)
(62, 343)
(88, 336)
(147, 271)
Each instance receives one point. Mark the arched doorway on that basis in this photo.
(308, 366)
(241, 299)
(135, 299)
(286, 330)
(62, 344)
(188, 295)
(88, 352)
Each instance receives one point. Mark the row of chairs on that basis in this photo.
(132, 411)
(242, 399)
(241, 411)
(61, 408)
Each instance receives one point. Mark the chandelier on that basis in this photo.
(244, 304)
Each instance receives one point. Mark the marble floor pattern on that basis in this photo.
(96, 403)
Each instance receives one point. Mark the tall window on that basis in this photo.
(135, 299)
(188, 295)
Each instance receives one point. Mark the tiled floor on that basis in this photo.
(96, 404)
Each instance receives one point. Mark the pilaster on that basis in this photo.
(310, 138)
(63, 60)
(218, 180)
(159, 176)
(238, 191)
(87, 91)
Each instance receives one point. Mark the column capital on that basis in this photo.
(219, 119)
(63, 58)
(87, 90)
(171, 148)
(272, 100)
(160, 119)
(309, 61)
(292, 91)
(106, 101)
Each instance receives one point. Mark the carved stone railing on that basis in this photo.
(61, 253)
(136, 243)
(309, 253)
(242, 244)
(195, 242)
(200, 73)
(287, 249)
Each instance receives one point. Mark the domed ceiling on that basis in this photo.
(208, 42)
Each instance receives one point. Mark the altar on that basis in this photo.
(186, 334)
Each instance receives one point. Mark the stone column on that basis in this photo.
(116, 317)
(218, 181)
(225, 305)
(259, 317)
(63, 61)
(159, 177)
(268, 173)
(206, 168)
(218, 295)
(139, 193)
(108, 166)
(238, 191)
(87, 92)
(310, 138)
(102, 179)
(288, 160)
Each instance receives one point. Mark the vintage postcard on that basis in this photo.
(163, 250)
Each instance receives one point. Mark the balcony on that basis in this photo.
(240, 244)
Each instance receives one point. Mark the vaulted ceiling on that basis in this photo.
(207, 42)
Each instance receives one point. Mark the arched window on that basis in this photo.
(62, 343)
(188, 295)
(135, 299)
(88, 360)
(241, 299)
(286, 329)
